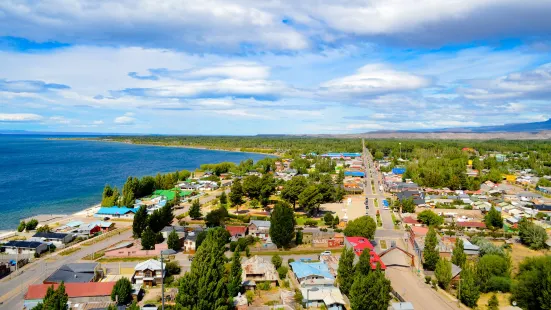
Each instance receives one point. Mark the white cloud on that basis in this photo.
(97, 122)
(242, 114)
(125, 120)
(371, 80)
(234, 70)
(19, 117)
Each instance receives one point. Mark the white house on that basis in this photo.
(25, 247)
(58, 239)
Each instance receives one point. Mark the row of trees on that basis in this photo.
(148, 227)
(366, 288)
(140, 187)
(311, 193)
(30, 225)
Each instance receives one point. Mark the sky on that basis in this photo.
(246, 67)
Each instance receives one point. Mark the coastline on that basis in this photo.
(238, 150)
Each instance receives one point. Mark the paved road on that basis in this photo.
(13, 289)
(413, 289)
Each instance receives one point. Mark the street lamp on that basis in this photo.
(166, 252)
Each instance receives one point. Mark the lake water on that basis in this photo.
(41, 176)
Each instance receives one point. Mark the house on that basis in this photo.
(471, 225)
(87, 230)
(408, 220)
(357, 174)
(259, 229)
(312, 274)
(236, 232)
(528, 196)
(470, 249)
(103, 225)
(545, 190)
(24, 247)
(360, 244)
(330, 297)
(76, 273)
(77, 292)
(180, 230)
(116, 212)
(58, 239)
(134, 249)
(190, 243)
(148, 273)
(418, 197)
(256, 269)
(74, 224)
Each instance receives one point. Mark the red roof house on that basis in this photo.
(360, 244)
(73, 290)
(411, 221)
(471, 224)
(237, 231)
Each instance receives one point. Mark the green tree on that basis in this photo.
(277, 261)
(148, 239)
(54, 299)
(310, 199)
(408, 206)
(370, 292)
(252, 186)
(216, 217)
(345, 271)
(110, 196)
(31, 225)
(282, 272)
(133, 306)
(469, 291)
(204, 287)
(195, 209)
(328, 219)
(234, 281)
(443, 273)
(493, 303)
(292, 189)
(140, 222)
(122, 291)
(532, 235)
(430, 218)
(430, 252)
(532, 289)
(173, 241)
(282, 227)
(361, 227)
(336, 221)
(268, 187)
(363, 267)
(44, 228)
(489, 266)
(493, 219)
(223, 199)
(236, 194)
(172, 268)
(458, 255)
(166, 214)
(21, 226)
(298, 237)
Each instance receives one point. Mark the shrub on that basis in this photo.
(21, 226)
(427, 279)
(290, 260)
(263, 286)
(282, 271)
(277, 261)
(501, 284)
(311, 223)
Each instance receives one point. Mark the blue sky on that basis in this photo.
(283, 67)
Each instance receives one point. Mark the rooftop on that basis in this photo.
(116, 210)
(150, 264)
(74, 273)
(49, 235)
(91, 289)
(303, 270)
(23, 244)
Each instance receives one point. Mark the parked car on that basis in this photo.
(325, 253)
(149, 307)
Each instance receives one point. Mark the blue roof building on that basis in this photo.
(354, 174)
(116, 212)
(312, 273)
(398, 170)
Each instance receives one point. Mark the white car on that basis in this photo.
(325, 253)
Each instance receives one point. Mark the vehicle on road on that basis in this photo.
(149, 307)
(325, 253)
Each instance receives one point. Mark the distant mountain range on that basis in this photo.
(517, 127)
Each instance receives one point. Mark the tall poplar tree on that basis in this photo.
(431, 253)
(458, 255)
(370, 292)
(140, 222)
(345, 271)
(282, 226)
(469, 291)
(234, 281)
(204, 286)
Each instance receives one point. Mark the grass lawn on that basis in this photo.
(520, 252)
(69, 251)
(301, 220)
(503, 299)
(382, 243)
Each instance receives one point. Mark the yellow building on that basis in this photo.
(510, 177)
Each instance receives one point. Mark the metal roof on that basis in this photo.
(303, 270)
(23, 244)
(49, 235)
(74, 273)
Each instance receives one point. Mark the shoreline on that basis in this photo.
(237, 150)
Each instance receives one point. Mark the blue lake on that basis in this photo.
(41, 176)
